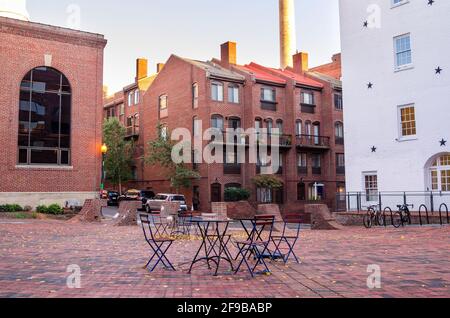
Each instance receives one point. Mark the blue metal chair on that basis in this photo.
(159, 246)
(287, 241)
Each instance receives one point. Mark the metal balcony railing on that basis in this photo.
(311, 141)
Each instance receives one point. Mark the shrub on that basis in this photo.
(54, 209)
(11, 208)
(268, 182)
(236, 194)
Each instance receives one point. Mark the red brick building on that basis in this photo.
(50, 113)
(305, 105)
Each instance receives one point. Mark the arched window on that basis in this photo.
(217, 123)
(339, 133)
(439, 173)
(299, 127)
(44, 136)
(269, 123)
(280, 126)
(195, 95)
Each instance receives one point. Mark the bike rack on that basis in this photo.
(388, 209)
(443, 205)
(423, 207)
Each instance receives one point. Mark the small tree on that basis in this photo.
(119, 158)
(160, 153)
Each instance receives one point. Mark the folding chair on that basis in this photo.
(161, 225)
(288, 239)
(159, 246)
(185, 225)
(257, 244)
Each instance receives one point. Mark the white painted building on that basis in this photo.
(396, 77)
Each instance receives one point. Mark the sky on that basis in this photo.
(155, 29)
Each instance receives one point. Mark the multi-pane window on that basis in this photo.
(408, 121)
(302, 163)
(217, 123)
(217, 92)
(164, 132)
(440, 174)
(197, 124)
(298, 127)
(121, 109)
(308, 98)
(339, 133)
(195, 95)
(269, 124)
(268, 94)
(44, 136)
(137, 96)
(130, 98)
(340, 163)
(233, 94)
(163, 102)
(316, 160)
(371, 187)
(338, 101)
(403, 56)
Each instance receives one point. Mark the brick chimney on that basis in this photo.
(301, 63)
(228, 53)
(141, 69)
(159, 67)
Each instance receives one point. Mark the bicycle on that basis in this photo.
(373, 217)
(403, 216)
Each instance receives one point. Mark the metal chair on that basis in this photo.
(159, 246)
(257, 244)
(288, 239)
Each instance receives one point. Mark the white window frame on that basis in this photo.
(368, 196)
(402, 67)
(137, 97)
(439, 169)
(233, 94)
(400, 123)
(398, 4)
(219, 91)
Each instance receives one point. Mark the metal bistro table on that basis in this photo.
(214, 243)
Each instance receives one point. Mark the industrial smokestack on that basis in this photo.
(15, 9)
(288, 45)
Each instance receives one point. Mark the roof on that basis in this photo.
(333, 81)
(215, 70)
(260, 74)
(300, 79)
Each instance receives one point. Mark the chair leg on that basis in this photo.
(244, 259)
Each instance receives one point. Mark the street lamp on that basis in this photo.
(104, 150)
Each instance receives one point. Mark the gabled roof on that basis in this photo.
(214, 70)
(333, 81)
(259, 73)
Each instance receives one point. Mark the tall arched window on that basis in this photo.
(339, 133)
(299, 127)
(439, 173)
(44, 118)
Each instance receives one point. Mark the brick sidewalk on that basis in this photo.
(415, 262)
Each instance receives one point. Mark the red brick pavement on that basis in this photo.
(415, 262)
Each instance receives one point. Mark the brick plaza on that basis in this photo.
(35, 255)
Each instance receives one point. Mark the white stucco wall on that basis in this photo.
(371, 115)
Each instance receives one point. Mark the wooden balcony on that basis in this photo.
(313, 142)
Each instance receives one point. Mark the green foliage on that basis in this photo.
(268, 182)
(11, 208)
(54, 209)
(160, 153)
(21, 216)
(119, 158)
(236, 194)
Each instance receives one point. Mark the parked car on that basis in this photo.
(113, 198)
(146, 195)
(156, 203)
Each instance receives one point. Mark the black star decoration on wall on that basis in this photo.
(370, 85)
(443, 142)
(374, 149)
(438, 70)
(366, 24)
(430, 2)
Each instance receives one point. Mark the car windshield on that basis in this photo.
(161, 197)
(178, 198)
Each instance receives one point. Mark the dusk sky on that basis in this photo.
(154, 29)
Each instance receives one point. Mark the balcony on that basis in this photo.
(231, 168)
(313, 142)
(267, 105)
(308, 108)
(132, 132)
(302, 170)
(340, 170)
(285, 140)
(241, 140)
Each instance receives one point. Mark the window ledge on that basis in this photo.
(409, 138)
(43, 167)
(396, 5)
(404, 68)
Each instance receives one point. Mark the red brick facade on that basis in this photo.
(176, 82)
(79, 56)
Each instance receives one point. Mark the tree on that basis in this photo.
(119, 158)
(266, 184)
(160, 153)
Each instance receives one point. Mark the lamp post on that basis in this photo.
(104, 151)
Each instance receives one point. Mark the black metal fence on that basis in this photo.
(430, 201)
